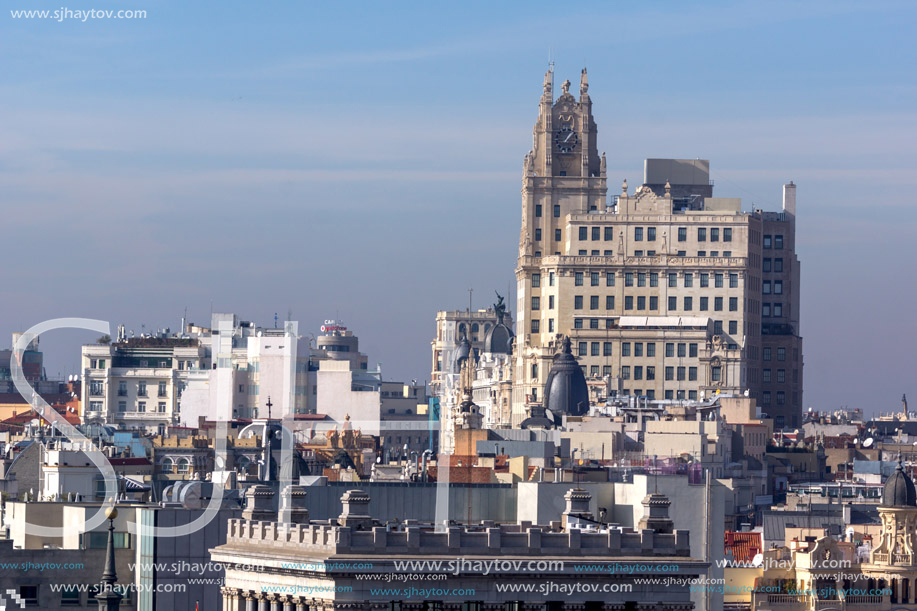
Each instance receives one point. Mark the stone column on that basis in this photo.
(249, 600)
(273, 601)
(287, 602)
(301, 604)
(263, 604)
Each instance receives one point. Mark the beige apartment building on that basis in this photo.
(665, 290)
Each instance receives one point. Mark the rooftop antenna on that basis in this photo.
(551, 65)
(470, 291)
(275, 320)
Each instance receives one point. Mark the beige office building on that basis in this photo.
(665, 290)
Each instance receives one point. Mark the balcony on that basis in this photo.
(142, 415)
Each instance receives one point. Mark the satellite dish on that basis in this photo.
(868, 443)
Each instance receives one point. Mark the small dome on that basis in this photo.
(899, 489)
(499, 339)
(461, 355)
(565, 391)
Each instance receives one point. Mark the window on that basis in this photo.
(669, 373)
(778, 287)
(650, 234)
(625, 349)
(183, 465)
(638, 372)
(727, 234)
(766, 354)
(141, 406)
(638, 349)
(609, 302)
(766, 287)
(578, 302)
(638, 253)
(778, 309)
(781, 376)
(766, 265)
(609, 234)
(536, 280)
(606, 349)
(680, 374)
(536, 325)
(28, 595)
(534, 371)
(641, 302)
(122, 406)
(673, 303)
(718, 327)
(654, 279)
(670, 349)
(161, 407)
(550, 325)
(768, 240)
(766, 397)
(122, 389)
(638, 234)
(717, 304)
(537, 210)
(650, 349)
(733, 327)
(577, 323)
(669, 394)
(682, 234)
(716, 373)
(99, 539)
(583, 233)
(704, 304)
(781, 397)
(594, 279)
(596, 232)
(692, 350)
(558, 236)
(550, 302)
(606, 370)
(765, 309)
(701, 234)
(628, 278)
(166, 465)
(781, 354)
(594, 349)
(778, 243)
(583, 349)
(550, 278)
(778, 265)
(733, 304)
(727, 253)
(162, 389)
(733, 281)
(718, 280)
(692, 374)
(594, 302)
(593, 323)
(610, 279)
(715, 234)
(682, 350)
(536, 303)
(594, 371)
(537, 234)
(70, 594)
(578, 278)
(556, 211)
(689, 280)
(704, 280)
(141, 389)
(766, 376)
(625, 372)
(654, 303)
(689, 304)
(641, 279)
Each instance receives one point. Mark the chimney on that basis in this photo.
(789, 199)
(293, 505)
(577, 508)
(356, 510)
(656, 515)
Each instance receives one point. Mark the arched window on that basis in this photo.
(183, 465)
(166, 465)
(475, 327)
(461, 330)
(244, 464)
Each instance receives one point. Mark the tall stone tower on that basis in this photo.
(563, 174)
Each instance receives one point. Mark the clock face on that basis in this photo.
(565, 139)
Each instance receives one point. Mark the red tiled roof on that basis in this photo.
(744, 545)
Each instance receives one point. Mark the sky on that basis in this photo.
(362, 161)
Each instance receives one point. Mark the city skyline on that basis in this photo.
(132, 171)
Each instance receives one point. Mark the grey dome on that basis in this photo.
(565, 391)
(461, 355)
(499, 339)
(899, 489)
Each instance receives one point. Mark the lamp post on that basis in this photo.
(109, 598)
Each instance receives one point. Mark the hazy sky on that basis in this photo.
(363, 160)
